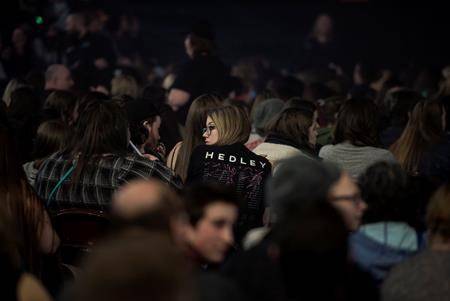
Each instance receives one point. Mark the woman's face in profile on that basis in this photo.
(210, 133)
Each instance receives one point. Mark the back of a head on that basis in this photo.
(51, 136)
(154, 94)
(297, 102)
(135, 266)
(232, 123)
(423, 130)
(60, 104)
(264, 112)
(13, 84)
(293, 124)
(124, 85)
(357, 123)
(102, 127)
(438, 215)
(286, 87)
(147, 204)
(299, 183)
(385, 188)
(313, 253)
(400, 104)
(24, 103)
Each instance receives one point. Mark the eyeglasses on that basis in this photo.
(355, 198)
(208, 129)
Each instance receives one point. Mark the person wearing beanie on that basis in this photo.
(261, 116)
(145, 122)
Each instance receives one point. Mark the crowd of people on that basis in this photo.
(217, 183)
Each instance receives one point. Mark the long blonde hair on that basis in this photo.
(423, 130)
(232, 123)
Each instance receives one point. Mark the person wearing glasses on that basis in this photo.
(225, 159)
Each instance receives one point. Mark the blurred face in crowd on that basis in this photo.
(210, 133)
(312, 130)
(324, 25)
(346, 197)
(153, 130)
(212, 236)
(63, 80)
(18, 37)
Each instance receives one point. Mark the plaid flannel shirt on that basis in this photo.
(96, 185)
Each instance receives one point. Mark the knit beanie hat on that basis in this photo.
(264, 112)
(299, 183)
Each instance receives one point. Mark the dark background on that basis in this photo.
(388, 34)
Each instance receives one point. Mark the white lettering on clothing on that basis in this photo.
(210, 155)
(232, 159)
(252, 163)
(242, 162)
(221, 157)
(262, 164)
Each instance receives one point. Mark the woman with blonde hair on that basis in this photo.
(225, 160)
(178, 159)
(423, 149)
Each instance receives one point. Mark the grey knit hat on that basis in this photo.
(299, 183)
(264, 112)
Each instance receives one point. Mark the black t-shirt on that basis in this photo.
(203, 74)
(238, 167)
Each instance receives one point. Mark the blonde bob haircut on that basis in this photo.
(232, 124)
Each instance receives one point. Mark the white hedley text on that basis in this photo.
(233, 159)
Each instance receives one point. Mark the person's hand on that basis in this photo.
(150, 157)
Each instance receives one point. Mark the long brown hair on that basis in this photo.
(423, 130)
(293, 124)
(102, 128)
(195, 122)
(20, 203)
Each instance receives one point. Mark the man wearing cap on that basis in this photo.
(203, 73)
(145, 122)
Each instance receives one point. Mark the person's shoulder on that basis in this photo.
(326, 150)
(382, 153)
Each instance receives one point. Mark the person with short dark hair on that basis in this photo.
(145, 121)
(212, 211)
(385, 239)
(356, 143)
